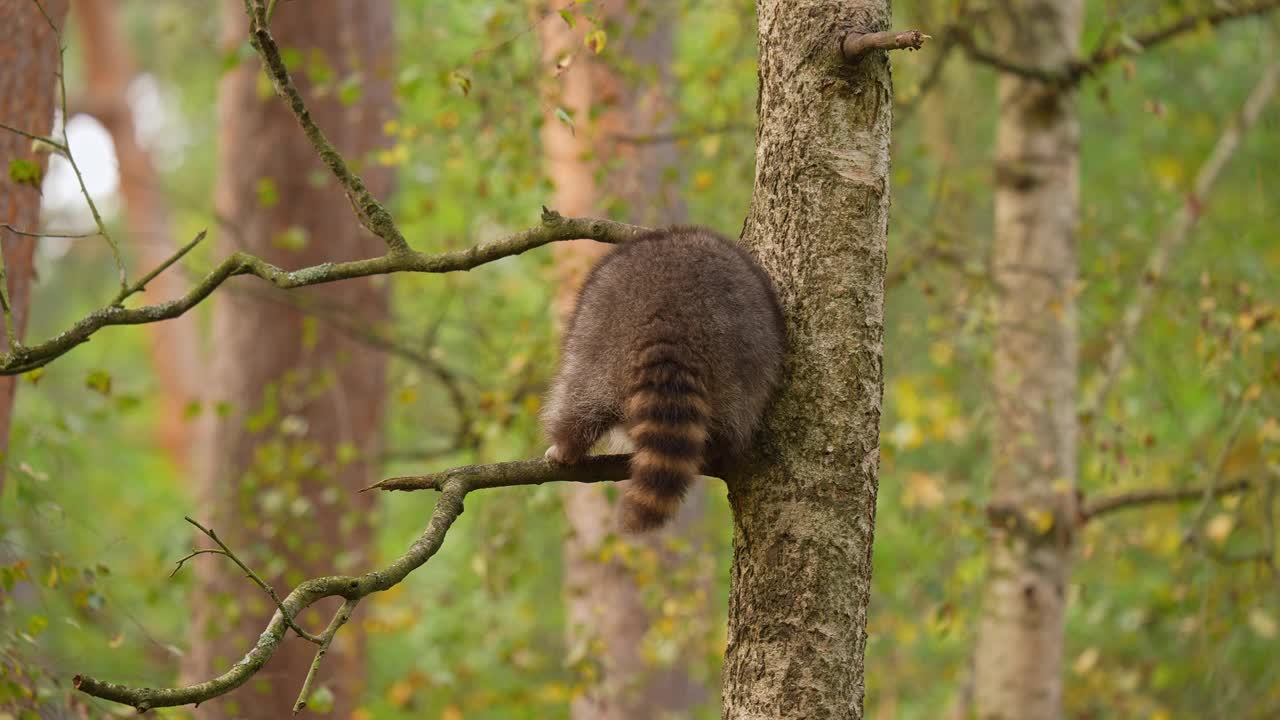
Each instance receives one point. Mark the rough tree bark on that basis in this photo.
(294, 427)
(604, 605)
(1018, 659)
(175, 351)
(804, 508)
(28, 96)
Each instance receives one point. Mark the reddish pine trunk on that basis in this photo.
(175, 344)
(603, 599)
(28, 96)
(294, 429)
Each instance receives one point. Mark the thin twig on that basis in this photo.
(340, 618)
(25, 233)
(855, 45)
(288, 619)
(11, 332)
(368, 210)
(1073, 72)
(1178, 234)
(1156, 496)
(36, 138)
(1211, 489)
(194, 553)
(168, 262)
(70, 156)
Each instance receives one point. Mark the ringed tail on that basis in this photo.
(667, 417)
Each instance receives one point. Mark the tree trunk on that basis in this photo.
(804, 508)
(295, 427)
(606, 615)
(1018, 660)
(175, 344)
(28, 96)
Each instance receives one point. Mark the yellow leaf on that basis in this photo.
(1041, 520)
(1262, 623)
(1168, 170)
(1086, 661)
(923, 490)
(1220, 527)
(941, 353)
(361, 714)
(400, 693)
(1253, 392)
(1160, 714)
(451, 713)
(703, 179)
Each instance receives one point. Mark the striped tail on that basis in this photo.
(667, 420)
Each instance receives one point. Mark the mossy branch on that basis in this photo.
(453, 486)
(554, 227)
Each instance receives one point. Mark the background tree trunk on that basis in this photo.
(175, 351)
(804, 509)
(296, 426)
(606, 616)
(28, 96)
(1018, 661)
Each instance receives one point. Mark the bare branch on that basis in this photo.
(340, 618)
(1075, 71)
(854, 45)
(368, 210)
(1177, 235)
(594, 468)
(71, 159)
(692, 133)
(1190, 23)
(257, 579)
(1161, 496)
(554, 228)
(25, 233)
(142, 283)
(35, 138)
(194, 553)
(453, 485)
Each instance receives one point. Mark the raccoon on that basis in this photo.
(676, 339)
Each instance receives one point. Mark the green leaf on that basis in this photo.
(563, 116)
(321, 699)
(25, 172)
(351, 90)
(568, 17)
(596, 40)
(461, 81)
(268, 195)
(99, 381)
(293, 238)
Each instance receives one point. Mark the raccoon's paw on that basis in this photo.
(557, 455)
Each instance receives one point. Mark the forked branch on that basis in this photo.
(453, 486)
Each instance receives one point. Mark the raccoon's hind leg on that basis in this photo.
(572, 436)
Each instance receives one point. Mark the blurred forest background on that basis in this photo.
(1174, 608)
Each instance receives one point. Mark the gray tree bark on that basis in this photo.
(1018, 659)
(28, 95)
(604, 603)
(804, 508)
(293, 427)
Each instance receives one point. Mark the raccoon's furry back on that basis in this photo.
(678, 337)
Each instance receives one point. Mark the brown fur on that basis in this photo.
(677, 336)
